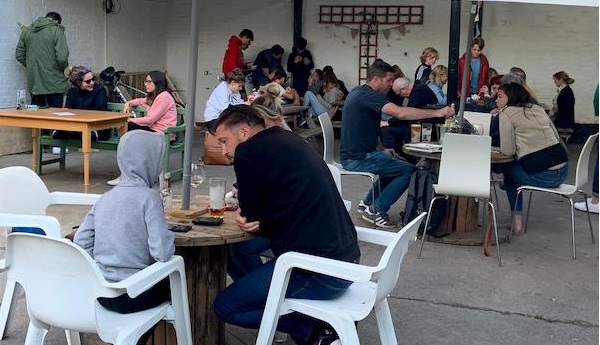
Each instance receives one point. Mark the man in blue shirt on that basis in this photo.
(361, 146)
(266, 62)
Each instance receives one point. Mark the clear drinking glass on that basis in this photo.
(216, 191)
(198, 175)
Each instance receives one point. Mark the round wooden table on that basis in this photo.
(462, 214)
(204, 251)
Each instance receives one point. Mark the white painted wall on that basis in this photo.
(154, 34)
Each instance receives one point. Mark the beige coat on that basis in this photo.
(526, 130)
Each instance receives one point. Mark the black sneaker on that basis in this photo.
(380, 220)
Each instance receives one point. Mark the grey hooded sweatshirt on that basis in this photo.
(126, 230)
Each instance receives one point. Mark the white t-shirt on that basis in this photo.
(219, 99)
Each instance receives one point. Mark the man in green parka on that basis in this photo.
(43, 50)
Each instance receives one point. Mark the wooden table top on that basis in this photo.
(81, 115)
(497, 156)
(207, 235)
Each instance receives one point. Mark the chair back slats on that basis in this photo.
(44, 267)
(465, 165)
(582, 173)
(22, 192)
(328, 137)
(388, 269)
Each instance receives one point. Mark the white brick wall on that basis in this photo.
(154, 34)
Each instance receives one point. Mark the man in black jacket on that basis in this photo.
(300, 63)
(287, 194)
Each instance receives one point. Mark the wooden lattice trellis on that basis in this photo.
(369, 18)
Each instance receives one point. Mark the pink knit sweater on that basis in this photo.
(160, 115)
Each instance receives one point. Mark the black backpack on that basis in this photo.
(420, 193)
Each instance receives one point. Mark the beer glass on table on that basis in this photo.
(216, 191)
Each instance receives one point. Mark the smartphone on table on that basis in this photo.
(180, 227)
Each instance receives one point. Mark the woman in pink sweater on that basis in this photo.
(159, 104)
(160, 109)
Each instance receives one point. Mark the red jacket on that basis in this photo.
(484, 68)
(234, 58)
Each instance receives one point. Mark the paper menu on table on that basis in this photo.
(424, 147)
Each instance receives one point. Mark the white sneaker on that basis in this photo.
(362, 206)
(582, 207)
(114, 182)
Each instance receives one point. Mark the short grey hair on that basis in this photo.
(512, 78)
(400, 83)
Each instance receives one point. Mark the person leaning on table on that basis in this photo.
(283, 185)
(528, 133)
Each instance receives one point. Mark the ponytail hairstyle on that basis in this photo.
(564, 77)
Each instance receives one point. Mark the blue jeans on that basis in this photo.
(515, 176)
(244, 257)
(316, 107)
(394, 177)
(242, 303)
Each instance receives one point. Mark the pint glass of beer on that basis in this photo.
(216, 191)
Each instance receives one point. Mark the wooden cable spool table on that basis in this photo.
(204, 251)
(462, 214)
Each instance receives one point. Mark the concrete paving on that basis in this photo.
(453, 295)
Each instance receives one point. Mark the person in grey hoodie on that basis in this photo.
(43, 51)
(126, 230)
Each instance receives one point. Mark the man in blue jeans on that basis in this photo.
(286, 194)
(361, 146)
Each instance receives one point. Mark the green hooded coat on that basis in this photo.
(43, 50)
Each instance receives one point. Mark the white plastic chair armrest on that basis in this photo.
(382, 238)
(49, 224)
(334, 268)
(149, 276)
(68, 198)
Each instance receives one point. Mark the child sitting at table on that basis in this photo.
(125, 240)
(287, 94)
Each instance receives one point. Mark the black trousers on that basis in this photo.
(151, 298)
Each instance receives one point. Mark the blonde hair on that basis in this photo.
(437, 72)
(269, 89)
(269, 107)
(427, 52)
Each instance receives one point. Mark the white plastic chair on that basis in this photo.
(62, 282)
(337, 178)
(567, 190)
(464, 171)
(23, 192)
(328, 145)
(369, 290)
(484, 119)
